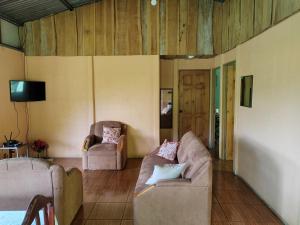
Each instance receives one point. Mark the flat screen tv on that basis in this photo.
(27, 91)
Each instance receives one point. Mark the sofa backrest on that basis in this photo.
(23, 178)
(97, 128)
(194, 153)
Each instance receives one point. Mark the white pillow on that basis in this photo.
(167, 171)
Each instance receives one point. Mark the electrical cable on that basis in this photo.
(17, 113)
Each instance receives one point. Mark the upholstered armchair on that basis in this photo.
(104, 156)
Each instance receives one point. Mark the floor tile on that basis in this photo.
(103, 222)
(128, 214)
(108, 211)
(85, 210)
(127, 222)
(217, 213)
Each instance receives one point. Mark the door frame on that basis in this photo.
(223, 106)
(213, 104)
(210, 103)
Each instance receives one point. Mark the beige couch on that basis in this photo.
(98, 156)
(23, 178)
(185, 201)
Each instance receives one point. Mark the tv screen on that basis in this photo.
(27, 91)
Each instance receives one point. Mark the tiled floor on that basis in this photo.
(108, 197)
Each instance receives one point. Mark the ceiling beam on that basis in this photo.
(67, 4)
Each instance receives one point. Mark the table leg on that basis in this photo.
(17, 152)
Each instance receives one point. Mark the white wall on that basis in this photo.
(267, 135)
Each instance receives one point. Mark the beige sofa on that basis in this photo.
(23, 178)
(184, 201)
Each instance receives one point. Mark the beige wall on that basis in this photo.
(266, 135)
(11, 67)
(62, 120)
(127, 90)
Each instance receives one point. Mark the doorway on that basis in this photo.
(229, 71)
(194, 103)
(216, 109)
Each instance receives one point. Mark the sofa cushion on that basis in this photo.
(147, 168)
(192, 152)
(102, 149)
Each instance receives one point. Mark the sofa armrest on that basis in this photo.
(173, 182)
(88, 142)
(121, 152)
(73, 194)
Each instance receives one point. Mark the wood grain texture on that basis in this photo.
(121, 34)
(225, 26)
(234, 23)
(85, 18)
(134, 27)
(162, 28)
(192, 27)
(284, 8)
(172, 24)
(66, 34)
(104, 32)
(48, 36)
(247, 16)
(263, 15)
(217, 27)
(204, 33)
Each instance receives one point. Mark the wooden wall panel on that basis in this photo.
(263, 15)
(183, 17)
(192, 27)
(162, 28)
(104, 31)
(234, 23)
(217, 27)
(204, 33)
(48, 36)
(134, 27)
(172, 24)
(247, 17)
(149, 28)
(36, 37)
(225, 26)
(121, 34)
(85, 18)
(66, 34)
(284, 8)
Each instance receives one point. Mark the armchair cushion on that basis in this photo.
(103, 149)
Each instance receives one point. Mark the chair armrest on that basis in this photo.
(88, 142)
(173, 182)
(73, 193)
(121, 143)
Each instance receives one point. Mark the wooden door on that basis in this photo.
(194, 103)
(229, 73)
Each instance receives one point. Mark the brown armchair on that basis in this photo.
(98, 156)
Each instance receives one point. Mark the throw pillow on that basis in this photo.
(167, 171)
(168, 150)
(111, 135)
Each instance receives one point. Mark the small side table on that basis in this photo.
(15, 149)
